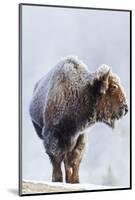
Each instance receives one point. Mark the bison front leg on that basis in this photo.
(67, 169)
(77, 155)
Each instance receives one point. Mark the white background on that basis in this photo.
(96, 37)
(9, 98)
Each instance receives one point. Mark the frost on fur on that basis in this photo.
(68, 100)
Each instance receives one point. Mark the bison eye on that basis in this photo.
(114, 86)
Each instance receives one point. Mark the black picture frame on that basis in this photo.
(20, 96)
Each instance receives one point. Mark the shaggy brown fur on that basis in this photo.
(67, 101)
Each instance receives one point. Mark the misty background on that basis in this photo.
(96, 37)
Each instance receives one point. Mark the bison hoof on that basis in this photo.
(68, 180)
(75, 180)
(57, 179)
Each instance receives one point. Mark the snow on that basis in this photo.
(32, 187)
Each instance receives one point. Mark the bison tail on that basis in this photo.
(38, 130)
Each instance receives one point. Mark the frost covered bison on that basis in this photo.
(68, 100)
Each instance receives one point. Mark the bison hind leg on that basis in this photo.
(55, 152)
(57, 171)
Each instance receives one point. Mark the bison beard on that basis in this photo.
(67, 101)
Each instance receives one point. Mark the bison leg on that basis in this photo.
(55, 153)
(77, 155)
(67, 169)
(57, 172)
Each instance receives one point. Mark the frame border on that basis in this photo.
(20, 100)
(20, 96)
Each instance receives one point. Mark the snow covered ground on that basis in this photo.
(31, 187)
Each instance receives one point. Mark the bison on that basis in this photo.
(68, 100)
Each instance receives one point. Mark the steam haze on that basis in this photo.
(96, 37)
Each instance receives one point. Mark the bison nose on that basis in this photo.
(126, 109)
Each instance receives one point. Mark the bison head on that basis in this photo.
(111, 104)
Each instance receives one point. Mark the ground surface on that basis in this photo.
(49, 187)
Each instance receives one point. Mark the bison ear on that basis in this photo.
(101, 81)
(103, 72)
